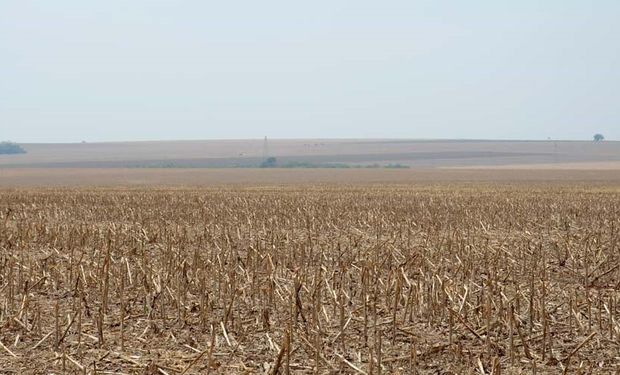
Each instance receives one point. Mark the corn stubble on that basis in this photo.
(379, 280)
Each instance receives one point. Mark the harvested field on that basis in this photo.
(376, 279)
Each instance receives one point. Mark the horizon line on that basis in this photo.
(319, 139)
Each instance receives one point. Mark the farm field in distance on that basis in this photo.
(148, 178)
(319, 152)
(428, 273)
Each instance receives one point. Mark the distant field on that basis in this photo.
(173, 177)
(249, 153)
(233, 162)
(594, 165)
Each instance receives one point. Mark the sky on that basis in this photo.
(201, 69)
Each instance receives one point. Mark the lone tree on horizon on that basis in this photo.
(11, 148)
(598, 137)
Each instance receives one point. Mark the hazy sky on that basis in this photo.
(200, 69)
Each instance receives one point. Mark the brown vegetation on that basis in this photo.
(373, 280)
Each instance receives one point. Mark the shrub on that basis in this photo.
(11, 148)
(270, 162)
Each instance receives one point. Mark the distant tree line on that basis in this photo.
(11, 148)
(272, 162)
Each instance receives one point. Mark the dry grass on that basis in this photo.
(373, 280)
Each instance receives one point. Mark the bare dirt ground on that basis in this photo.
(228, 153)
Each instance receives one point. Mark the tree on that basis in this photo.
(598, 137)
(11, 148)
(270, 162)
